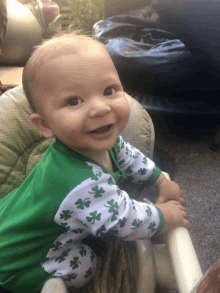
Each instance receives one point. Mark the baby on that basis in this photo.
(76, 96)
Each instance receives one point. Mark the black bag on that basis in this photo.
(148, 60)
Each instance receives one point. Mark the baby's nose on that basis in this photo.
(99, 108)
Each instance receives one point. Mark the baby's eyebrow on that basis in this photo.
(78, 84)
(110, 79)
(69, 88)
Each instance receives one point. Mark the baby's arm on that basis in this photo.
(140, 169)
(135, 165)
(98, 206)
(168, 193)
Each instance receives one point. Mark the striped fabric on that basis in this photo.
(3, 29)
(3, 20)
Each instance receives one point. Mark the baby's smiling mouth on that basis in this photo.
(102, 129)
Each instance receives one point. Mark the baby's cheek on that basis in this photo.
(125, 114)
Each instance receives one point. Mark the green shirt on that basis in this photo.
(65, 198)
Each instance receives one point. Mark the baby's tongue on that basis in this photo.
(101, 129)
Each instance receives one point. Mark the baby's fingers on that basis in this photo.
(185, 215)
(184, 212)
(176, 203)
(185, 221)
(182, 208)
(181, 200)
(186, 224)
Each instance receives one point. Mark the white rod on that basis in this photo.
(183, 257)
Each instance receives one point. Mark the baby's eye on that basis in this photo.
(74, 101)
(109, 91)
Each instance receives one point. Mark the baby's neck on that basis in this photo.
(103, 159)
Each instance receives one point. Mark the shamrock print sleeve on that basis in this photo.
(135, 165)
(98, 206)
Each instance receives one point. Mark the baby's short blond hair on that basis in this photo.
(58, 44)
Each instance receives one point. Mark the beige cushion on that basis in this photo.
(22, 145)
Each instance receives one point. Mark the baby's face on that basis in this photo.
(82, 101)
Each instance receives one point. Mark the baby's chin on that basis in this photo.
(93, 149)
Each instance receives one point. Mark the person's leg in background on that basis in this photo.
(196, 23)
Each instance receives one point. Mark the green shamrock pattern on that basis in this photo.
(112, 205)
(121, 162)
(75, 263)
(97, 191)
(119, 191)
(114, 217)
(65, 215)
(142, 171)
(136, 155)
(133, 204)
(98, 206)
(88, 273)
(130, 178)
(63, 256)
(114, 231)
(96, 176)
(144, 160)
(129, 170)
(82, 251)
(70, 241)
(152, 227)
(78, 231)
(101, 231)
(136, 223)
(94, 217)
(92, 257)
(111, 181)
(71, 277)
(122, 222)
(148, 211)
(56, 246)
(65, 225)
(81, 204)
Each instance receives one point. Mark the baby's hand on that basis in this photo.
(174, 215)
(166, 190)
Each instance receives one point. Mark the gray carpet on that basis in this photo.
(182, 149)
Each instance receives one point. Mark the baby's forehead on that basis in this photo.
(57, 51)
(53, 55)
(60, 48)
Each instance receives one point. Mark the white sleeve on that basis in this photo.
(135, 165)
(101, 207)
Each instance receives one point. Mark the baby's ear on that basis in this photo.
(41, 125)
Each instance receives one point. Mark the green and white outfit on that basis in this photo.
(65, 198)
